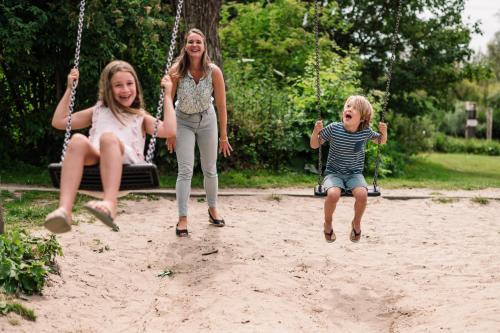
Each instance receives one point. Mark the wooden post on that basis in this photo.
(489, 123)
(471, 122)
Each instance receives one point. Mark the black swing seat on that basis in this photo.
(319, 191)
(134, 177)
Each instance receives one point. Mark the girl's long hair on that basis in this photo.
(181, 64)
(106, 91)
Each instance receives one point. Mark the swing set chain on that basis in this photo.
(75, 83)
(318, 86)
(152, 142)
(387, 88)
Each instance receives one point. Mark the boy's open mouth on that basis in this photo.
(348, 116)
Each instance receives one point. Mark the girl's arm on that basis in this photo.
(383, 133)
(80, 119)
(220, 101)
(166, 128)
(169, 118)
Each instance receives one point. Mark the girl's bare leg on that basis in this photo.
(80, 152)
(111, 166)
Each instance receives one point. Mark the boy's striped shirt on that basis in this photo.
(347, 150)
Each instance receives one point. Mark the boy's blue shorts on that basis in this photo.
(346, 182)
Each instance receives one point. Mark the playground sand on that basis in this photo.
(422, 265)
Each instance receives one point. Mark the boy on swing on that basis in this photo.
(346, 157)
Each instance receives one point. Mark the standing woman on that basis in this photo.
(194, 78)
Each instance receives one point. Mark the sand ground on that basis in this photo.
(423, 265)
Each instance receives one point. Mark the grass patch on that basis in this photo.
(449, 172)
(480, 200)
(10, 306)
(275, 197)
(25, 174)
(439, 171)
(139, 197)
(444, 200)
(28, 209)
(250, 179)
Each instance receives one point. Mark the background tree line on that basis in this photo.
(266, 49)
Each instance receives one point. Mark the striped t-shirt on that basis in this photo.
(346, 155)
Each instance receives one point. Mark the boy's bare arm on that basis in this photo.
(383, 134)
(315, 140)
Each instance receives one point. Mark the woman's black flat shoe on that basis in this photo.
(215, 222)
(181, 232)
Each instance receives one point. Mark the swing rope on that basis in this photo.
(386, 94)
(318, 87)
(387, 88)
(75, 83)
(159, 109)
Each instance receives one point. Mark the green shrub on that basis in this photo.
(448, 144)
(25, 261)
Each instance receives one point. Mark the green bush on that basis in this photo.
(448, 144)
(25, 261)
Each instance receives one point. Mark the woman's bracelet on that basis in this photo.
(225, 140)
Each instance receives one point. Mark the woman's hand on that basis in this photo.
(73, 76)
(224, 147)
(171, 144)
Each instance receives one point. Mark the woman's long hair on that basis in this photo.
(181, 64)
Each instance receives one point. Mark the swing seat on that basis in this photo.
(319, 191)
(134, 177)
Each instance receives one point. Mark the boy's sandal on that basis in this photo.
(102, 212)
(354, 236)
(181, 232)
(57, 221)
(330, 236)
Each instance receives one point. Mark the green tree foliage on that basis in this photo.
(37, 42)
(268, 61)
(268, 52)
(493, 54)
(483, 88)
(433, 43)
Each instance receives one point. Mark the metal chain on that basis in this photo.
(387, 88)
(159, 109)
(318, 86)
(75, 83)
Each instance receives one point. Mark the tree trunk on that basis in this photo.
(204, 15)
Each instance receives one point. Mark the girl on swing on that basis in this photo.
(117, 136)
(346, 158)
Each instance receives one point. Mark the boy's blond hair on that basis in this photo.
(365, 109)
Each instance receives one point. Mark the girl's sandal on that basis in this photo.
(100, 210)
(57, 222)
